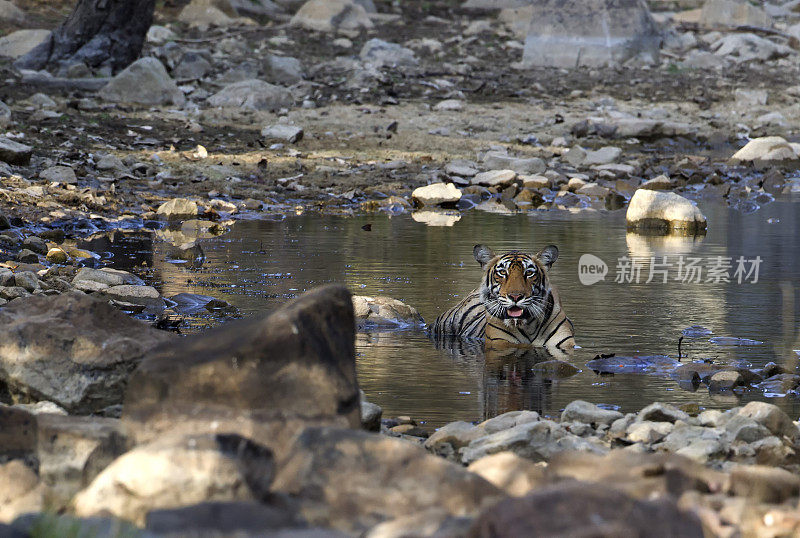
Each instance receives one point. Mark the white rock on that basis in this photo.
(158, 35)
(379, 53)
(460, 169)
(144, 82)
(252, 94)
(750, 97)
(437, 193)
(495, 178)
(515, 475)
(204, 13)
(748, 47)
(606, 155)
(663, 210)
(767, 148)
(11, 13)
(449, 105)
(497, 160)
(331, 16)
(282, 131)
(21, 42)
(658, 183)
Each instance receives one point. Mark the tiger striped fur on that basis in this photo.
(515, 304)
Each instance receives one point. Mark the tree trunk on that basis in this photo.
(98, 33)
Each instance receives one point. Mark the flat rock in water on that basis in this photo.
(593, 33)
(71, 349)
(437, 193)
(265, 376)
(637, 364)
(384, 313)
(696, 331)
(144, 82)
(733, 341)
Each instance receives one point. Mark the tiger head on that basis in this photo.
(515, 285)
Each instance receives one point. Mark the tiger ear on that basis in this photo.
(548, 255)
(483, 254)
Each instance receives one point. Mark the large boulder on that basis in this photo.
(144, 82)
(659, 211)
(177, 472)
(766, 148)
(264, 377)
(582, 509)
(252, 94)
(21, 42)
(353, 480)
(71, 349)
(332, 16)
(595, 33)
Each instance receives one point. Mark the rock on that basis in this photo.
(146, 296)
(493, 4)
(658, 183)
(514, 475)
(107, 277)
(72, 350)
(386, 312)
(772, 417)
(26, 280)
(21, 42)
(554, 369)
(379, 53)
(746, 429)
(332, 16)
(694, 442)
(575, 156)
(59, 174)
(281, 131)
(436, 194)
(537, 441)
(257, 8)
(339, 477)
(764, 484)
(204, 13)
(371, 416)
(158, 35)
(594, 190)
(36, 244)
(606, 155)
(495, 178)
(252, 94)
(13, 152)
(750, 98)
(499, 161)
(749, 47)
(589, 413)
(144, 82)
(593, 33)
(284, 69)
(11, 13)
(461, 169)
(451, 105)
(455, 434)
(177, 472)
(22, 491)
(57, 255)
(604, 511)
(725, 380)
(178, 209)
(661, 412)
(193, 66)
(5, 115)
(647, 432)
(733, 13)
(664, 211)
(768, 148)
(271, 375)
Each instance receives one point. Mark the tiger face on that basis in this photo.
(515, 286)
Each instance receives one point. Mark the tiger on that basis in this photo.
(515, 305)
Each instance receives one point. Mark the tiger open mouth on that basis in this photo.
(515, 312)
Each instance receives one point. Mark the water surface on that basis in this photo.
(258, 265)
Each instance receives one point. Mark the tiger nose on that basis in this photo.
(515, 298)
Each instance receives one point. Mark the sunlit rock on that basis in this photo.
(332, 16)
(766, 148)
(436, 194)
(384, 312)
(663, 212)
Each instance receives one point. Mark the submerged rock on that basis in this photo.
(384, 312)
(663, 212)
(594, 33)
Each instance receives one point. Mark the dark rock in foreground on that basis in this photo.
(71, 349)
(265, 377)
